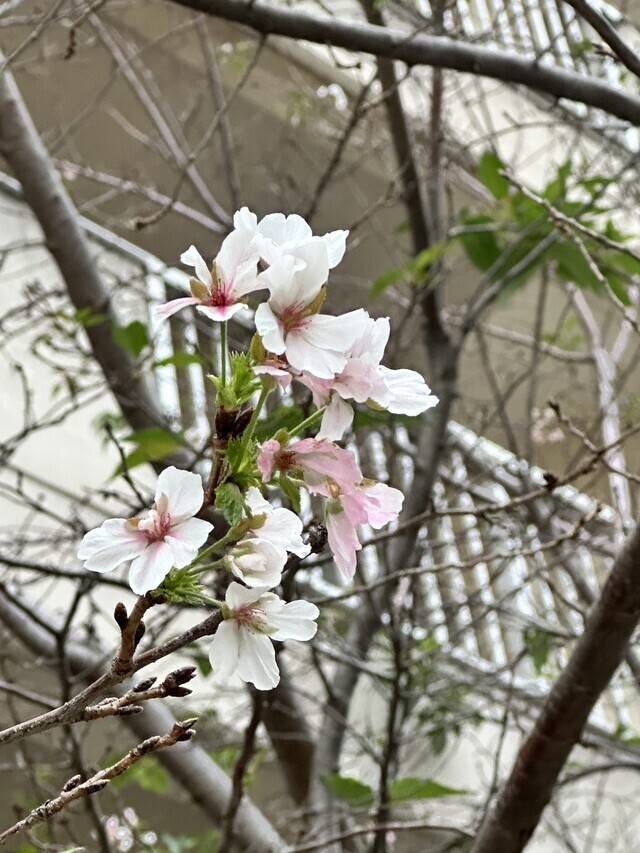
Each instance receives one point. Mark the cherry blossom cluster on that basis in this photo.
(338, 359)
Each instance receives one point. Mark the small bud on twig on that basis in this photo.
(139, 634)
(94, 787)
(142, 686)
(72, 783)
(121, 616)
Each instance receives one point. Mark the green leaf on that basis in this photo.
(420, 789)
(241, 384)
(292, 491)
(229, 502)
(87, 317)
(538, 645)
(386, 280)
(346, 788)
(573, 266)
(132, 338)
(148, 775)
(556, 189)
(427, 257)
(179, 359)
(152, 444)
(481, 247)
(488, 173)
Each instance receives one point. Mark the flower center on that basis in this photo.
(292, 318)
(156, 525)
(285, 460)
(218, 295)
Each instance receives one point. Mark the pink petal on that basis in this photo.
(170, 308)
(343, 542)
(220, 313)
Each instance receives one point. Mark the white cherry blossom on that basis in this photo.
(288, 322)
(280, 234)
(252, 619)
(218, 292)
(164, 537)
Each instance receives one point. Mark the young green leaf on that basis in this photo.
(420, 789)
(229, 502)
(346, 788)
(488, 172)
(132, 338)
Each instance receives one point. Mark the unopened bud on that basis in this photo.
(142, 686)
(120, 615)
(94, 787)
(72, 783)
(129, 710)
(148, 745)
(179, 691)
(186, 735)
(184, 674)
(139, 633)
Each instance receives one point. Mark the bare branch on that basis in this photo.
(421, 49)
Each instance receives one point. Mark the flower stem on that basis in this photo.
(251, 426)
(307, 422)
(223, 352)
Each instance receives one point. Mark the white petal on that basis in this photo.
(336, 245)
(281, 279)
(314, 274)
(270, 329)
(283, 529)
(284, 229)
(193, 258)
(151, 568)
(256, 502)
(238, 595)
(305, 356)
(295, 621)
(224, 648)
(406, 392)
(108, 546)
(245, 220)
(257, 660)
(336, 420)
(337, 333)
(237, 258)
(186, 538)
(184, 493)
(266, 570)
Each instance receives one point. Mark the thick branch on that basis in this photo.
(44, 192)
(596, 657)
(436, 51)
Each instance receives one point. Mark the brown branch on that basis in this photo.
(45, 194)
(188, 764)
(75, 788)
(239, 771)
(435, 51)
(559, 726)
(624, 52)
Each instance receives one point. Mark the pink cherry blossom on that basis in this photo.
(217, 293)
(364, 379)
(323, 465)
(375, 504)
(164, 537)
